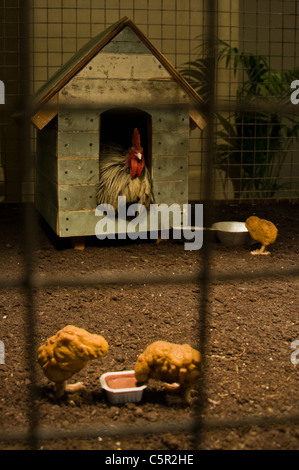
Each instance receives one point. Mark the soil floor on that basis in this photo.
(250, 326)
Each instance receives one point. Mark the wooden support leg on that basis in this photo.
(78, 243)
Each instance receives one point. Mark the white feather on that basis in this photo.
(115, 179)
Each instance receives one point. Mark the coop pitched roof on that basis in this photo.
(48, 93)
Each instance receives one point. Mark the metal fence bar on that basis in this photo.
(29, 226)
(204, 279)
(188, 425)
(229, 106)
(30, 282)
(106, 278)
(283, 107)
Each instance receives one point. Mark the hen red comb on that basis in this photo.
(136, 140)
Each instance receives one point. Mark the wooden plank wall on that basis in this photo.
(46, 197)
(170, 148)
(78, 170)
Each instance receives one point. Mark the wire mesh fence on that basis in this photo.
(249, 179)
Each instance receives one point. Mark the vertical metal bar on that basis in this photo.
(29, 221)
(208, 208)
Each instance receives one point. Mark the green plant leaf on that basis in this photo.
(257, 142)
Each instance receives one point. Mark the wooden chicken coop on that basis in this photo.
(116, 82)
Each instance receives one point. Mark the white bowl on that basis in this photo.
(120, 387)
(232, 233)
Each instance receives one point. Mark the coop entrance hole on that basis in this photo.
(117, 125)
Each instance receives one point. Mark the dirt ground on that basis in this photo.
(251, 325)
